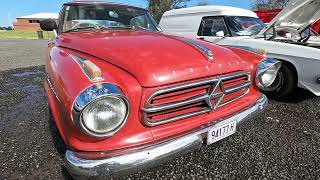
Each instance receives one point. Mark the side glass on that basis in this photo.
(211, 26)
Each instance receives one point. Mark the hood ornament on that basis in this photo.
(203, 49)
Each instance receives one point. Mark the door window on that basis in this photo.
(211, 25)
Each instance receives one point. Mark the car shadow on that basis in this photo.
(59, 144)
(299, 95)
(56, 137)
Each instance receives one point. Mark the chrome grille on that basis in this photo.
(187, 100)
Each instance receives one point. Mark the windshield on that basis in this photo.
(88, 17)
(244, 26)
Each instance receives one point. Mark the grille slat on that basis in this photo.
(177, 104)
(181, 102)
(237, 88)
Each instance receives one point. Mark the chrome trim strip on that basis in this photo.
(90, 95)
(208, 97)
(237, 88)
(201, 48)
(52, 88)
(153, 155)
(55, 33)
(177, 104)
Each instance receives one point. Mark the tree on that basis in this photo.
(202, 3)
(158, 7)
(6, 28)
(268, 4)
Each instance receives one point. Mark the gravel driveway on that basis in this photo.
(21, 53)
(282, 143)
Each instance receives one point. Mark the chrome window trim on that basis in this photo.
(92, 94)
(207, 97)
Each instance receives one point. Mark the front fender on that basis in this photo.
(67, 81)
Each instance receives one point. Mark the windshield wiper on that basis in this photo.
(119, 27)
(84, 28)
(99, 28)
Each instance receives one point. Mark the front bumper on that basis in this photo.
(151, 156)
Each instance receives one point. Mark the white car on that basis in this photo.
(287, 38)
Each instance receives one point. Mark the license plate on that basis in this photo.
(221, 132)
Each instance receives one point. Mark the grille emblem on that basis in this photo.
(216, 96)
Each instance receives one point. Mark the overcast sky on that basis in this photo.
(10, 9)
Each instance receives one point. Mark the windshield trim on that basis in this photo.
(102, 3)
(63, 11)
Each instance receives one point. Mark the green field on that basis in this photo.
(23, 35)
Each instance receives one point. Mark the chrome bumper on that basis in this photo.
(154, 155)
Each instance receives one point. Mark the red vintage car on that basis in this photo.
(124, 96)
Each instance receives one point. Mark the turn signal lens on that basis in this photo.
(92, 71)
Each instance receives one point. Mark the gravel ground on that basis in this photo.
(282, 143)
(21, 53)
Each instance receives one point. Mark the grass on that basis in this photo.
(24, 35)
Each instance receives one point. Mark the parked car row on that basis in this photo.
(126, 96)
(287, 38)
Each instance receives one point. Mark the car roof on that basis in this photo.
(222, 10)
(88, 2)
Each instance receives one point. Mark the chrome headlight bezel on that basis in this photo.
(93, 94)
(267, 65)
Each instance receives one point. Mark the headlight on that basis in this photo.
(101, 110)
(267, 72)
(105, 116)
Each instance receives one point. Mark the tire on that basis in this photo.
(285, 83)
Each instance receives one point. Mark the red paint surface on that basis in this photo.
(139, 63)
(266, 16)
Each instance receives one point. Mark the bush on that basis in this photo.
(9, 28)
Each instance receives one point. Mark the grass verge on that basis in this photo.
(24, 35)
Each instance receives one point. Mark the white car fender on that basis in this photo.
(305, 59)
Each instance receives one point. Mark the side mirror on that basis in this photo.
(220, 34)
(288, 35)
(48, 25)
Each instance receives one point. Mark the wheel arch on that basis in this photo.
(291, 66)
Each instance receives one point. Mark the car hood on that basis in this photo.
(276, 49)
(154, 59)
(296, 16)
